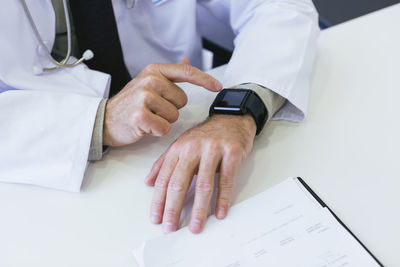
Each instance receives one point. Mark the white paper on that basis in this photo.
(282, 226)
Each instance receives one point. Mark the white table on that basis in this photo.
(347, 150)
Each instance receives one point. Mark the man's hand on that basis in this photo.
(220, 143)
(149, 103)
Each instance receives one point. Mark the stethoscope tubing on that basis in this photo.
(58, 64)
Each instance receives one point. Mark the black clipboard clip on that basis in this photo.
(322, 203)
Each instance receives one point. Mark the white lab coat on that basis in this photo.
(46, 121)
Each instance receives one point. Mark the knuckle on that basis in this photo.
(151, 80)
(175, 148)
(159, 162)
(157, 165)
(171, 213)
(235, 151)
(212, 144)
(129, 85)
(189, 148)
(226, 183)
(188, 70)
(224, 199)
(151, 68)
(157, 205)
(161, 182)
(176, 186)
(140, 116)
(146, 96)
(182, 100)
(198, 213)
(204, 188)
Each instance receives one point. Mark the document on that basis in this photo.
(283, 226)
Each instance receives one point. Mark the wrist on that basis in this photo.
(245, 122)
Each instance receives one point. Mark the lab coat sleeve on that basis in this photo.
(46, 121)
(96, 145)
(45, 137)
(272, 101)
(274, 46)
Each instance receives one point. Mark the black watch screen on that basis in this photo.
(228, 100)
(240, 102)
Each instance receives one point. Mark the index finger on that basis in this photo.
(190, 74)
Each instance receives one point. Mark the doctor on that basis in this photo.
(55, 113)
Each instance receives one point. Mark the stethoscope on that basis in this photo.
(38, 69)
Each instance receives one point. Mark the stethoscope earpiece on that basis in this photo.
(37, 69)
(88, 55)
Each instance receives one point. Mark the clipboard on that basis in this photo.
(322, 203)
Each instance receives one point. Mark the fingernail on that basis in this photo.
(195, 226)
(218, 85)
(169, 227)
(221, 212)
(155, 218)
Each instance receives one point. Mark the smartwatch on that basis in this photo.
(240, 102)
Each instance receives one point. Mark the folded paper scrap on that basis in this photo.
(283, 226)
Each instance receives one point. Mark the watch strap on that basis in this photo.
(255, 106)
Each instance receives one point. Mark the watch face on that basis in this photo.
(239, 102)
(230, 100)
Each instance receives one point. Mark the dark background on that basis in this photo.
(337, 11)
